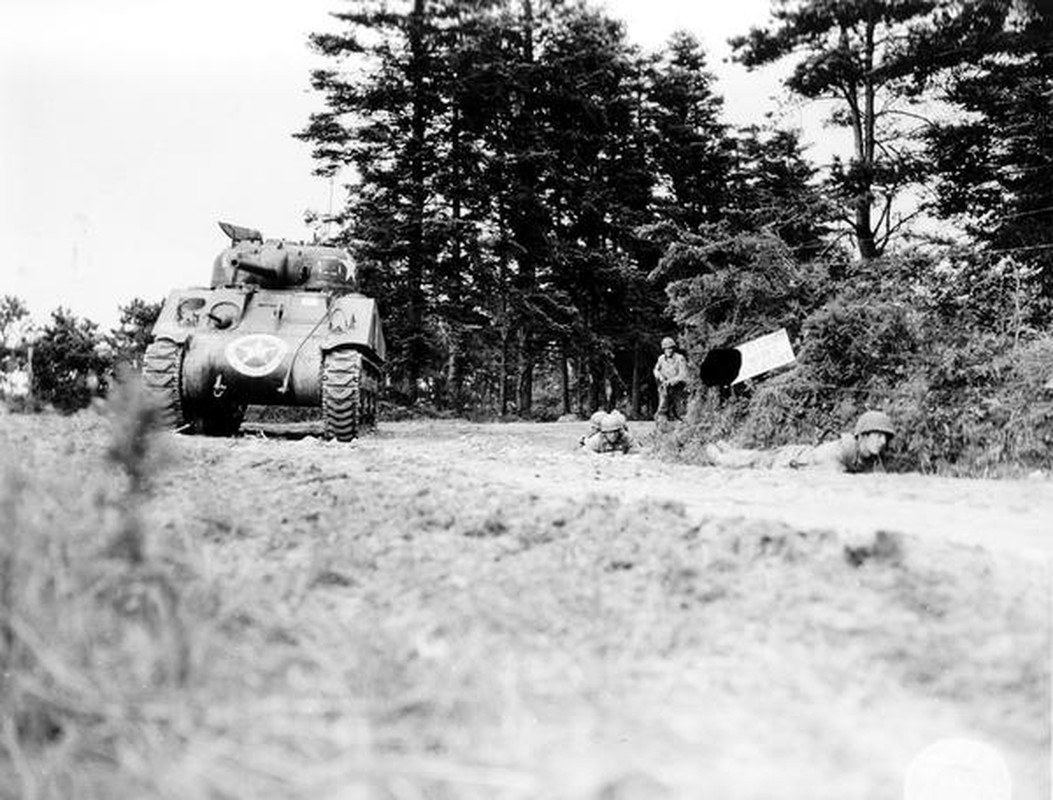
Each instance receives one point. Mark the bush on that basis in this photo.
(68, 362)
(962, 373)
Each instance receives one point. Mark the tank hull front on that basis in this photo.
(253, 368)
(218, 350)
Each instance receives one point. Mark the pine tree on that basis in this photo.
(994, 164)
(384, 127)
(851, 55)
(691, 148)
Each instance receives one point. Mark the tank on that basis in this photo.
(281, 324)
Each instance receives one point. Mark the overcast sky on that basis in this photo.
(129, 127)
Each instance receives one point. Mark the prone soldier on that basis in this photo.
(595, 421)
(859, 451)
(613, 436)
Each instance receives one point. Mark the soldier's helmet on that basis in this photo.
(874, 421)
(596, 420)
(613, 422)
(668, 341)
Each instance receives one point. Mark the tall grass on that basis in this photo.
(93, 623)
(200, 618)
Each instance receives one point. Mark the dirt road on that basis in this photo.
(1014, 515)
(448, 610)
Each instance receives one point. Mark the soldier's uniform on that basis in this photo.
(622, 442)
(671, 373)
(841, 455)
(595, 421)
(613, 436)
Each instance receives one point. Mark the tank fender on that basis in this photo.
(175, 336)
(354, 320)
(342, 340)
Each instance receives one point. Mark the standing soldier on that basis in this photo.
(671, 373)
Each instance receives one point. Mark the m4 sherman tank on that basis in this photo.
(281, 324)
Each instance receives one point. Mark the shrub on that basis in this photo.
(961, 372)
(68, 362)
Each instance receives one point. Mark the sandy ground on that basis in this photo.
(448, 610)
(1014, 515)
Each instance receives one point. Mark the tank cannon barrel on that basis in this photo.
(271, 266)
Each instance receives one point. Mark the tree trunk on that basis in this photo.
(580, 385)
(526, 213)
(637, 380)
(564, 376)
(868, 247)
(503, 372)
(597, 385)
(525, 395)
(418, 199)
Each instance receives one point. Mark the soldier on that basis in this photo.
(859, 451)
(594, 427)
(613, 437)
(671, 373)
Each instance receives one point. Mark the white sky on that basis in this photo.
(129, 127)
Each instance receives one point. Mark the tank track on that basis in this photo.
(163, 377)
(342, 393)
(370, 390)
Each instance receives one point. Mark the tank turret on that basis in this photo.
(277, 263)
(280, 324)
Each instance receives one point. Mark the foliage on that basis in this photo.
(68, 363)
(849, 52)
(12, 311)
(939, 346)
(726, 288)
(992, 158)
(133, 332)
(692, 151)
(14, 327)
(94, 623)
(499, 203)
(530, 190)
(773, 188)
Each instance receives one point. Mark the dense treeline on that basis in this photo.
(519, 169)
(536, 201)
(530, 190)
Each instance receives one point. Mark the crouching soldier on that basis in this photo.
(613, 436)
(859, 451)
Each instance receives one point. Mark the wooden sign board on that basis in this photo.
(768, 352)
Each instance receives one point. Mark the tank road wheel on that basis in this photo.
(163, 377)
(341, 393)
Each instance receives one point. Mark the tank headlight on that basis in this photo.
(338, 320)
(188, 310)
(223, 315)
